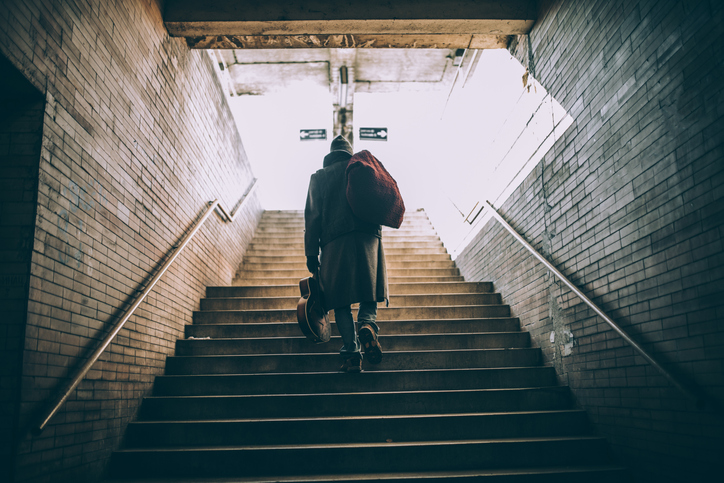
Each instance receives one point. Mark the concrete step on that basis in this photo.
(247, 303)
(278, 242)
(299, 215)
(433, 300)
(391, 264)
(266, 227)
(419, 288)
(291, 231)
(395, 289)
(337, 382)
(276, 281)
(291, 329)
(301, 259)
(299, 223)
(284, 232)
(300, 345)
(393, 250)
(391, 272)
(281, 220)
(376, 403)
(383, 313)
(409, 214)
(410, 235)
(298, 260)
(438, 427)
(410, 222)
(359, 457)
(298, 251)
(325, 362)
(547, 474)
(401, 244)
(396, 263)
(420, 278)
(254, 291)
(242, 282)
(282, 213)
(295, 243)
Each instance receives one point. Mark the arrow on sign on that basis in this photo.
(312, 134)
(377, 133)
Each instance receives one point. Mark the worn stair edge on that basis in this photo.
(400, 288)
(562, 474)
(358, 404)
(355, 457)
(241, 282)
(329, 430)
(389, 327)
(336, 382)
(321, 362)
(383, 313)
(394, 342)
(403, 300)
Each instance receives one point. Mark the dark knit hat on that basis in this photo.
(340, 143)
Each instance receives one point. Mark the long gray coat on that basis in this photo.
(352, 263)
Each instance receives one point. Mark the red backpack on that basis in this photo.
(372, 193)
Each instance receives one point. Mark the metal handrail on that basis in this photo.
(229, 218)
(68, 388)
(700, 402)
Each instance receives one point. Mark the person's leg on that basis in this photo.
(350, 351)
(367, 317)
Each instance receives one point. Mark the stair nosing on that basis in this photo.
(275, 297)
(462, 319)
(380, 308)
(382, 372)
(335, 353)
(382, 336)
(404, 475)
(359, 418)
(397, 444)
(341, 394)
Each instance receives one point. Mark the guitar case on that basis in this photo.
(311, 314)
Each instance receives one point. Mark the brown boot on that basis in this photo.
(352, 364)
(370, 344)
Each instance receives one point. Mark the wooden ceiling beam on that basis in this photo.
(350, 24)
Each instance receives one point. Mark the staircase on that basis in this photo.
(460, 394)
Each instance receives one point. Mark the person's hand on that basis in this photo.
(312, 264)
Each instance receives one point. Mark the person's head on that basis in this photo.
(340, 143)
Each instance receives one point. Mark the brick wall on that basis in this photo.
(136, 138)
(628, 204)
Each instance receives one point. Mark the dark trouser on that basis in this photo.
(345, 324)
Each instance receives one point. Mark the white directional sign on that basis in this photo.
(312, 134)
(373, 133)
